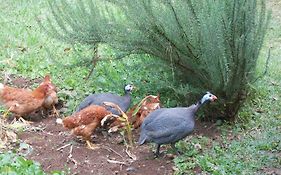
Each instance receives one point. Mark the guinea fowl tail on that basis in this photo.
(142, 139)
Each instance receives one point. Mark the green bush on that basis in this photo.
(213, 44)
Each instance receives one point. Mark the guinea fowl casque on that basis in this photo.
(169, 125)
(98, 99)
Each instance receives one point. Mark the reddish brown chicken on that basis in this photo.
(138, 112)
(24, 101)
(84, 122)
(51, 100)
(145, 109)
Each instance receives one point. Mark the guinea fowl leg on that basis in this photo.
(175, 149)
(157, 150)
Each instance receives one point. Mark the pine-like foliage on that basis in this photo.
(214, 43)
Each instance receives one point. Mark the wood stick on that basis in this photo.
(116, 162)
(112, 150)
(64, 146)
(71, 159)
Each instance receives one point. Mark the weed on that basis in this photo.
(10, 163)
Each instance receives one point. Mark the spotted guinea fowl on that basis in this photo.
(169, 125)
(98, 99)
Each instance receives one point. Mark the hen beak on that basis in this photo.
(214, 98)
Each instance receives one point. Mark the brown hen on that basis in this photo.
(84, 122)
(51, 100)
(24, 101)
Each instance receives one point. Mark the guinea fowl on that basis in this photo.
(169, 125)
(98, 99)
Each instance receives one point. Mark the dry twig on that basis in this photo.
(116, 162)
(125, 117)
(64, 146)
(72, 159)
(112, 150)
(131, 155)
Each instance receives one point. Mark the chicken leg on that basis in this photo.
(24, 121)
(86, 131)
(16, 117)
(91, 145)
(6, 112)
(55, 111)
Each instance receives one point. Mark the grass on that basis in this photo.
(26, 51)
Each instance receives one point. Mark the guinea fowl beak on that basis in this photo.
(214, 98)
(134, 87)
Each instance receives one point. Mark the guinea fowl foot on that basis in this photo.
(157, 152)
(91, 145)
(156, 155)
(178, 153)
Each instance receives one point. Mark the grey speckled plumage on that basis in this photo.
(98, 99)
(169, 125)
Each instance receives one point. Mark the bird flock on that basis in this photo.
(157, 124)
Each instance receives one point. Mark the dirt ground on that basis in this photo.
(52, 146)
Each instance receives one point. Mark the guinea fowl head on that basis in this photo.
(128, 88)
(208, 97)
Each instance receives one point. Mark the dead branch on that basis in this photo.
(106, 118)
(128, 126)
(116, 162)
(131, 155)
(112, 150)
(64, 146)
(72, 159)
(141, 103)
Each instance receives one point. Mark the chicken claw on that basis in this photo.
(9, 110)
(24, 121)
(6, 113)
(55, 111)
(91, 145)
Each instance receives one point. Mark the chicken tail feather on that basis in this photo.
(1, 87)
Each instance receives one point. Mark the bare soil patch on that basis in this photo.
(45, 146)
